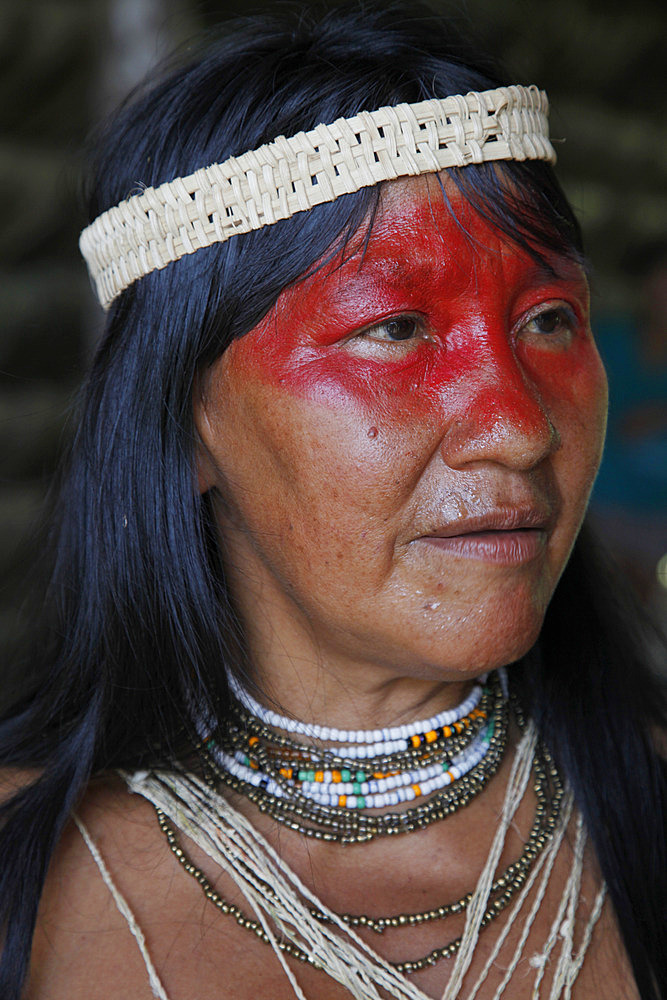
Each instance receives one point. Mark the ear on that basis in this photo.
(207, 477)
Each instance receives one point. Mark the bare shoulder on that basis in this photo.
(82, 941)
(84, 948)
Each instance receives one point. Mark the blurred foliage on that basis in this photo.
(63, 62)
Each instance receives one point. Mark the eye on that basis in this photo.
(396, 336)
(550, 323)
(396, 329)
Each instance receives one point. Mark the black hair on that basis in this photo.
(137, 621)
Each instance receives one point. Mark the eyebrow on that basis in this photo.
(563, 269)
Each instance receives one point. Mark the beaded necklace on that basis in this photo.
(441, 763)
(549, 793)
(353, 788)
(294, 922)
(287, 778)
(414, 733)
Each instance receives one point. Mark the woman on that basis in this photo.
(334, 454)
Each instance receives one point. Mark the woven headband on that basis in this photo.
(149, 230)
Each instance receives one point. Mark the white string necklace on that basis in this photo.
(232, 842)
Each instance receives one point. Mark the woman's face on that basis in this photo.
(404, 447)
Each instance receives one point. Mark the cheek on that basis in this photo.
(283, 458)
(337, 379)
(324, 476)
(575, 394)
(573, 386)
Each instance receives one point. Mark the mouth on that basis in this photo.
(507, 537)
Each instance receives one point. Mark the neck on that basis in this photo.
(374, 732)
(333, 682)
(363, 699)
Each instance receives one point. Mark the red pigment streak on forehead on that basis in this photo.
(468, 285)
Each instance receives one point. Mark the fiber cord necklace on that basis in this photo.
(507, 885)
(547, 785)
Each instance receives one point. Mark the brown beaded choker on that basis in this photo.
(332, 823)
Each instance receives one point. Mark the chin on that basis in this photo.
(485, 639)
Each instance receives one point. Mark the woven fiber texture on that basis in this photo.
(149, 230)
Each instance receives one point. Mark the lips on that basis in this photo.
(505, 536)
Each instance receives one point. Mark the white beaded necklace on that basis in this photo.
(369, 788)
(376, 794)
(378, 739)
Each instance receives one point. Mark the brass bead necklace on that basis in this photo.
(269, 750)
(549, 793)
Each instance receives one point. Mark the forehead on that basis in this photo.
(426, 234)
(430, 206)
(415, 217)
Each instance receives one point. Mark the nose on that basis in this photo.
(499, 417)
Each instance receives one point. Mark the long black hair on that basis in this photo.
(137, 621)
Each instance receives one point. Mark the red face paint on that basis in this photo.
(405, 446)
(473, 295)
